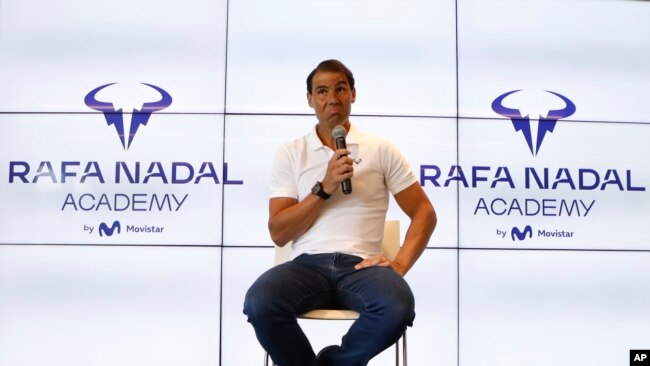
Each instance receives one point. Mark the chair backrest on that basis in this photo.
(390, 244)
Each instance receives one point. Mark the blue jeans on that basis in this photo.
(381, 296)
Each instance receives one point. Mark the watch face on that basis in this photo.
(316, 188)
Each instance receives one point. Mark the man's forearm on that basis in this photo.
(417, 237)
(289, 219)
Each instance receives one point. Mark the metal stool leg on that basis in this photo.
(266, 359)
(397, 353)
(404, 361)
(403, 350)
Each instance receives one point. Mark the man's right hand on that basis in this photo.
(339, 169)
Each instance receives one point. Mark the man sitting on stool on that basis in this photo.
(338, 260)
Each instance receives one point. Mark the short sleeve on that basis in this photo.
(283, 181)
(397, 170)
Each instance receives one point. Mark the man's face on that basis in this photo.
(331, 97)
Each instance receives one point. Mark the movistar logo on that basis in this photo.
(108, 231)
(521, 235)
(115, 116)
(545, 124)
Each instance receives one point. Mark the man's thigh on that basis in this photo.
(291, 286)
(372, 287)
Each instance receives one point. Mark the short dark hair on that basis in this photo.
(332, 66)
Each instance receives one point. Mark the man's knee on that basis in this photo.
(269, 294)
(258, 300)
(396, 301)
(252, 304)
(403, 312)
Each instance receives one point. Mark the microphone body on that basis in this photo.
(339, 139)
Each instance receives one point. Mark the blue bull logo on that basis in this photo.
(116, 117)
(522, 123)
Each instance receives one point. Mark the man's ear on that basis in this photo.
(354, 95)
(309, 100)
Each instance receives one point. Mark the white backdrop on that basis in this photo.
(141, 253)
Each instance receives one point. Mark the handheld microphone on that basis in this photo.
(339, 133)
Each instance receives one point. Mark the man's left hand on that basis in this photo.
(381, 261)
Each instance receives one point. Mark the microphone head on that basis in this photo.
(339, 131)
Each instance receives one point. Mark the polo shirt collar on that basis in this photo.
(352, 138)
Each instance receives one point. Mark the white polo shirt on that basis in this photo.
(351, 224)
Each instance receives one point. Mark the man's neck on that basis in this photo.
(325, 135)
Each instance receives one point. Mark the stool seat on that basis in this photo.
(330, 314)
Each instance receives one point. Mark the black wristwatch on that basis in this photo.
(317, 189)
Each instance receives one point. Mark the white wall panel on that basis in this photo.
(542, 308)
(241, 267)
(401, 53)
(596, 195)
(592, 52)
(40, 205)
(433, 338)
(53, 53)
(106, 306)
(251, 144)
